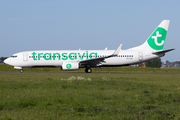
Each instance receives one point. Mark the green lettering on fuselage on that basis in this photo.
(71, 56)
(81, 57)
(54, 56)
(91, 55)
(34, 54)
(86, 54)
(39, 54)
(63, 56)
(46, 57)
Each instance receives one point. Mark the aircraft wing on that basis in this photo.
(163, 51)
(100, 59)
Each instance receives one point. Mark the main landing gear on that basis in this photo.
(21, 71)
(88, 70)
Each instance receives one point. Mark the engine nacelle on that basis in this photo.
(70, 66)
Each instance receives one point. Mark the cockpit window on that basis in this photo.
(14, 56)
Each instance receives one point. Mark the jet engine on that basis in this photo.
(70, 66)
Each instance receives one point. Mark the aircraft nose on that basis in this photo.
(7, 61)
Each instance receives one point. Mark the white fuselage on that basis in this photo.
(55, 58)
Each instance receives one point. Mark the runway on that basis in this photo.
(83, 73)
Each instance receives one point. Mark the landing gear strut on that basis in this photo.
(88, 70)
(21, 71)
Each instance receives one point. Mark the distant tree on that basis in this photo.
(156, 63)
(2, 58)
(141, 64)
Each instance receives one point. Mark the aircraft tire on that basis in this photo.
(21, 71)
(88, 70)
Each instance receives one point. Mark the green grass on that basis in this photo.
(7, 68)
(89, 96)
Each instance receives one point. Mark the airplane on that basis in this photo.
(151, 49)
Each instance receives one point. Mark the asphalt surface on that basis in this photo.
(82, 73)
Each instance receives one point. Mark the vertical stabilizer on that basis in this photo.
(156, 40)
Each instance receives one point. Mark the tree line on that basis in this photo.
(3, 58)
(156, 63)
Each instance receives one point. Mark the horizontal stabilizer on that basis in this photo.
(163, 51)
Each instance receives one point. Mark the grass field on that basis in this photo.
(7, 68)
(89, 96)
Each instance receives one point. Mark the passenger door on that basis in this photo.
(140, 55)
(25, 56)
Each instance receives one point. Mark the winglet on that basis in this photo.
(117, 50)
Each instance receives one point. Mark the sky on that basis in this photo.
(85, 24)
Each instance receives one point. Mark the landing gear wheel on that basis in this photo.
(21, 71)
(88, 70)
